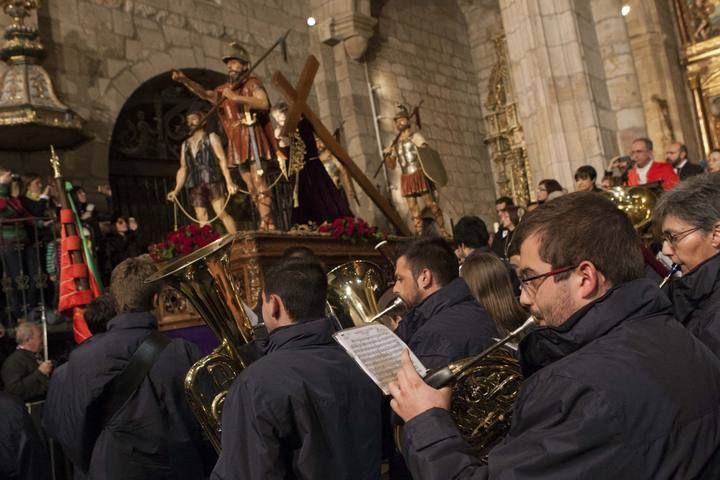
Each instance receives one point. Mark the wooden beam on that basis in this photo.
(303, 90)
(331, 143)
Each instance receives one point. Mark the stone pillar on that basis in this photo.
(558, 75)
(620, 77)
(664, 90)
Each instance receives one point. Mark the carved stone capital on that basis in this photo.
(353, 29)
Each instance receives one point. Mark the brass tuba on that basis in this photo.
(637, 203)
(204, 278)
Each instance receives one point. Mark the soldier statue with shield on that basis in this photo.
(421, 170)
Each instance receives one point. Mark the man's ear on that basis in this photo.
(276, 306)
(156, 301)
(592, 283)
(715, 237)
(425, 280)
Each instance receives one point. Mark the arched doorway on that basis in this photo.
(145, 148)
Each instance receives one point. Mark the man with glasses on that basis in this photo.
(689, 217)
(646, 169)
(614, 386)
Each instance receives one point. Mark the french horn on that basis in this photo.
(484, 386)
(204, 278)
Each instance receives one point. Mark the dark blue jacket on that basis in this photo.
(620, 391)
(154, 435)
(696, 302)
(22, 452)
(447, 325)
(303, 411)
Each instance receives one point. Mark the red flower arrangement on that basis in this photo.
(186, 239)
(352, 229)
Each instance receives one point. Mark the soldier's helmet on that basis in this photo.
(401, 112)
(234, 50)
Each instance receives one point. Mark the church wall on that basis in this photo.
(422, 52)
(101, 51)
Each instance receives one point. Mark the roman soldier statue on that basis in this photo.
(421, 170)
(244, 114)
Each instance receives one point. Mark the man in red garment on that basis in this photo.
(647, 170)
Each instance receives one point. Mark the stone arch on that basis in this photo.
(144, 146)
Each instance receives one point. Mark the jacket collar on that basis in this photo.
(131, 320)
(299, 335)
(453, 293)
(638, 298)
(690, 291)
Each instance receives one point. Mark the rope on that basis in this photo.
(177, 203)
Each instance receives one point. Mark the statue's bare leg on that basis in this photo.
(201, 215)
(224, 216)
(437, 213)
(415, 213)
(264, 200)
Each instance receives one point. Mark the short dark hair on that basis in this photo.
(434, 254)
(99, 312)
(514, 214)
(585, 172)
(298, 251)
(695, 201)
(585, 226)
(471, 231)
(301, 284)
(506, 200)
(128, 289)
(551, 185)
(648, 143)
(683, 148)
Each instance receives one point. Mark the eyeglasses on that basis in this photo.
(675, 238)
(531, 289)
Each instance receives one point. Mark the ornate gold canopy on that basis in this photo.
(31, 116)
(699, 25)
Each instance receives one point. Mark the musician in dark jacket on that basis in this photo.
(690, 219)
(22, 452)
(305, 410)
(153, 435)
(444, 322)
(614, 386)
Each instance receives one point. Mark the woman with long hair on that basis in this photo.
(489, 281)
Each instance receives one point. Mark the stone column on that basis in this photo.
(621, 79)
(558, 76)
(655, 50)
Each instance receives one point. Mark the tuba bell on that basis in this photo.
(204, 278)
(637, 203)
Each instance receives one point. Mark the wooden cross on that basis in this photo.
(297, 99)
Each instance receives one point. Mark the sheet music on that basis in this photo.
(377, 350)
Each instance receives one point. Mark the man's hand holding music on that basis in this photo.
(412, 396)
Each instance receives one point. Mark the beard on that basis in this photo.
(556, 313)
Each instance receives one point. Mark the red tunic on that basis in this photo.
(231, 113)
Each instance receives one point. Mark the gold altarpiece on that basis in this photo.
(504, 135)
(699, 26)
